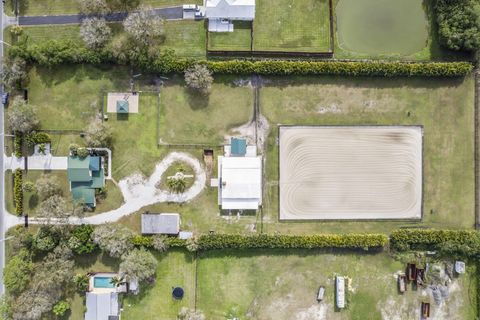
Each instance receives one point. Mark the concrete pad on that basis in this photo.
(131, 98)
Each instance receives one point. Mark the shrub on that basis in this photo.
(83, 152)
(148, 242)
(18, 191)
(60, 308)
(160, 243)
(29, 186)
(81, 239)
(16, 30)
(73, 148)
(17, 272)
(81, 282)
(34, 138)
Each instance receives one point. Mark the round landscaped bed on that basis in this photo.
(381, 26)
(177, 170)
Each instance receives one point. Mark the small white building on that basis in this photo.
(222, 13)
(239, 177)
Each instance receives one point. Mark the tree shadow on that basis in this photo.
(122, 116)
(196, 100)
(33, 201)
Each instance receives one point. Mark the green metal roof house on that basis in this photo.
(85, 175)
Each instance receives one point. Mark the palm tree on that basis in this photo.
(176, 184)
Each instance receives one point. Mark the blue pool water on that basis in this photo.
(103, 282)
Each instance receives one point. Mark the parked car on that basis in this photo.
(5, 96)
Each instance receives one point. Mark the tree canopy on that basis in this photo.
(22, 117)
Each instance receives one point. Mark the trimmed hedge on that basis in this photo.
(145, 241)
(55, 52)
(18, 191)
(347, 241)
(264, 241)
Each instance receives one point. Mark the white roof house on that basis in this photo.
(102, 306)
(220, 13)
(240, 183)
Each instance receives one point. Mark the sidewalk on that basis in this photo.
(47, 162)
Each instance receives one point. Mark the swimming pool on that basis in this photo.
(103, 282)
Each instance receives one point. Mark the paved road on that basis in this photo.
(172, 13)
(2, 174)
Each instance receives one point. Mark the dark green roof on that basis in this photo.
(239, 147)
(85, 194)
(122, 106)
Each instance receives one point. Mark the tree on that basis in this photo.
(95, 32)
(54, 207)
(115, 240)
(192, 244)
(81, 282)
(190, 314)
(159, 242)
(458, 24)
(138, 264)
(144, 26)
(14, 73)
(17, 271)
(93, 6)
(199, 78)
(81, 241)
(48, 186)
(176, 184)
(98, 135)
(22, 117)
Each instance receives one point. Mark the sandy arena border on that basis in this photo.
(132, 99)
(350, 172)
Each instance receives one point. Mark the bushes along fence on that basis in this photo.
(18, 191)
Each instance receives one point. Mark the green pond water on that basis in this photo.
(381, 26)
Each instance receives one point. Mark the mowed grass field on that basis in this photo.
(56, 7)
(443, 107)
(285, 25)
(238, 40)
(190, 118)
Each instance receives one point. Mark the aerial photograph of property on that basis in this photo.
(240, 160)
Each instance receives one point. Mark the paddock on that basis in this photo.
(350, 173)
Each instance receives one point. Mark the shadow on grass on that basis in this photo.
(196, 100)
(88, 260)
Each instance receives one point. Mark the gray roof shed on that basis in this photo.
(163, 223)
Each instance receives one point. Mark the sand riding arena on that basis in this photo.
(346, 172)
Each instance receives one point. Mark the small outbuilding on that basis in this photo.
(161, 223)
(102, 306)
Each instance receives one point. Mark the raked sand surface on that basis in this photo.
(344, 172)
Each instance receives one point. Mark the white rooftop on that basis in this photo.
(240, 186)
(102, 306)
(230, 9)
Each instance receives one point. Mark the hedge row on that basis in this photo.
(236, 241)
(406, 239)
(17, 145)
(56, 52)
(18, 191)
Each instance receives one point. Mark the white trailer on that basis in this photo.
(340, 290)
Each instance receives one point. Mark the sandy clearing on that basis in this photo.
(350, 172)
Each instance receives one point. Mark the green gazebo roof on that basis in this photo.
(122, 106)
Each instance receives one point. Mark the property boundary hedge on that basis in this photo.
(263, 241)
(18, 191)
(406, 239)
(55, 52)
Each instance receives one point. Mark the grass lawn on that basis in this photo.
(176, 268)
(9, 205)
(353, 32)
(186, 37)
(69, 97)
(282, 284)
(285, 25)
(443, 107)
(238, 40)
(188, 118)
(55, 7)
